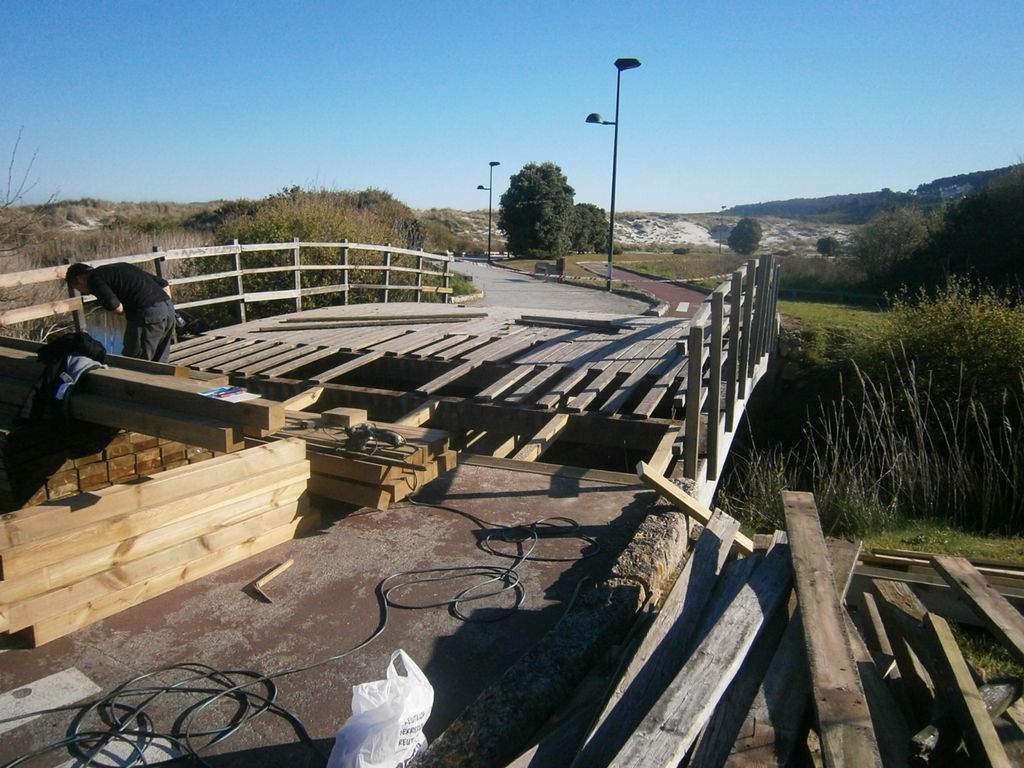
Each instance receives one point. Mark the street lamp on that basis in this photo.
(489, 187)
(594, 117)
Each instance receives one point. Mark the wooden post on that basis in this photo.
(79, 314)
(239, 287)
(387, 272)
(748, 316)
(343, 260)
(297, 263)
(419, 279)
(446, 279)
(732, 367)
(694, 382)
(715, 383)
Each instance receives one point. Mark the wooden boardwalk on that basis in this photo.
(556, 361)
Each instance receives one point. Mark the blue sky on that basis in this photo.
(736, 102)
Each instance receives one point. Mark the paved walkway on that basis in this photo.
(508, 288)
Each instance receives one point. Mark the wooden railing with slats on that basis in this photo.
(391, 279)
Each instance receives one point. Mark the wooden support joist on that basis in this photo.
(421, 414)
(214, 435)
(960, 693)
(175, 394)
(672, 725)
(303, 400)
(685, 502)
(544, 438)
(994, 610)
(844, 720)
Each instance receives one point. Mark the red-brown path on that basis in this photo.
(680, 301)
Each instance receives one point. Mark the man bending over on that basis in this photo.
(143, 299)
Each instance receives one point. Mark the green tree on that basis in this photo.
(828, 246)
(889, 240)
(589, 231)
(980, 237)
(536, 211)
(745, 236)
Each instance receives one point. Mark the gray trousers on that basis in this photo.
(149, 336)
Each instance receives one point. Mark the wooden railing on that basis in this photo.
(729, 343)
(399, 274)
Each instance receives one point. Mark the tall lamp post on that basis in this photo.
(489, 187)
(594, 117)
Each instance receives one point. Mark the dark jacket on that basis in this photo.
(127, 285)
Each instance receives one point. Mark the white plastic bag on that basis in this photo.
(386, 726)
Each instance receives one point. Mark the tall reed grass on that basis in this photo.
(889, 451)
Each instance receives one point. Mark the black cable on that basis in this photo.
(121, 717)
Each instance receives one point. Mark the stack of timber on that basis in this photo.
(756, 661)
(68, 564)
(374, 475)
(141, 397)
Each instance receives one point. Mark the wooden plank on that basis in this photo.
(665, 646)
(902, 614)
(447, 378)
(506, 382)
(36, 311)
(157, 584)
(672, 725)
(995, 611)
(347, 367)
(109, 542)
(544, 438)
(52, 518)
(961, 694)
(844, 720)
(685, 502)
(310, 355)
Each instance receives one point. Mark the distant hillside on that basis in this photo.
(858, 208)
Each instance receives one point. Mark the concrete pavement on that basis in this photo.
(508, 288)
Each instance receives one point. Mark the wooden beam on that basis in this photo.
(961, 694)
(55, 517)
(685, 502)
(844, 720)
(994, 610)
(545, 437)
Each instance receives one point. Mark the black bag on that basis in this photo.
(43, 401)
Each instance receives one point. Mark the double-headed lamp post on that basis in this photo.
(594, 117)
(489, 187)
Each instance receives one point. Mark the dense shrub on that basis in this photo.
(963, 341)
